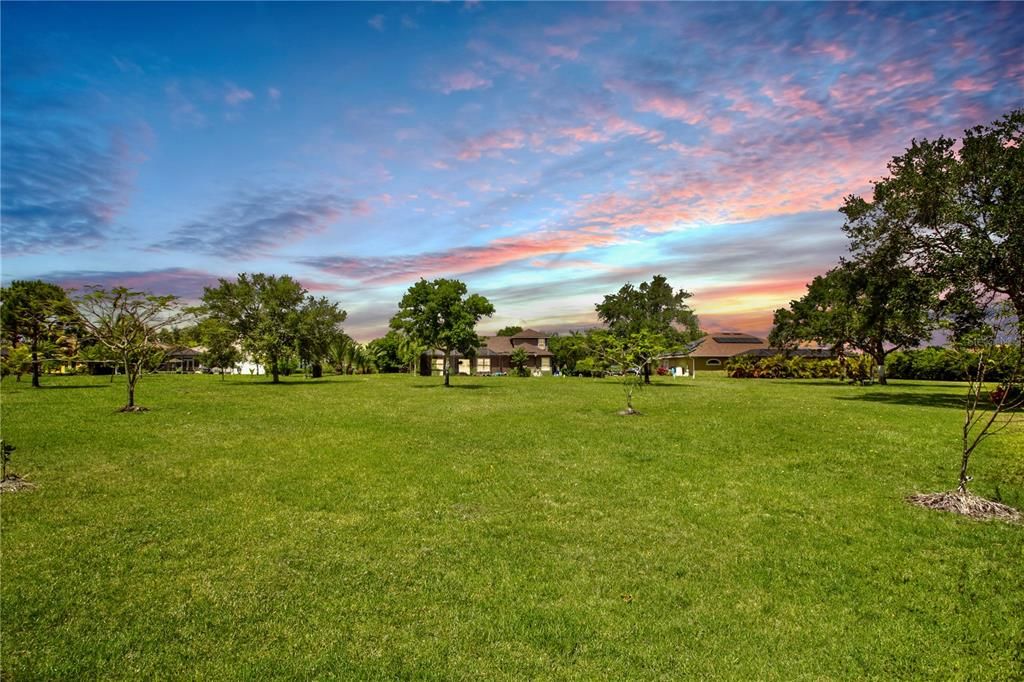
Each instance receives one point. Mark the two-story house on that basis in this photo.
(494, 356)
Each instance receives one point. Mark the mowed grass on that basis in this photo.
(384, 527)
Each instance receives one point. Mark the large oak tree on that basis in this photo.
(439, 314)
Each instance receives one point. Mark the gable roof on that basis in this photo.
(529, 334)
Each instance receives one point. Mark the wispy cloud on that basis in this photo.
(259, 222)
(460, 81)
(494, 141)
(183, 110)
(235, 95)
(65, 181)
(186, 283)
(398, 269)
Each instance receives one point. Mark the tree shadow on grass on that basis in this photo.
(941, 400)
(659, 384)
(466, 387)
(50, 387)
(286, 382)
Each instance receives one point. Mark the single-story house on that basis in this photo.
(711, 352)
(494, 355)
(180, 359)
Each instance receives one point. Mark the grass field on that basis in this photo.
(384, 527)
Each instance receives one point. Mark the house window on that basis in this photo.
(483, 365)
(545, 364)
(714, 362)
(542, 343)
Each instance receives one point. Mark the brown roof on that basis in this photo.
(726, 345)
(499, 345)
(529, 334)
(502, 345)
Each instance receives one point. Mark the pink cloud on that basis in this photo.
(836, 51)
(236, 95)
(274, 94)
(670, 107)
(563, 52)
(400, 269)
(376, 22)
(493, 142)
(971, 85)
(460, 81)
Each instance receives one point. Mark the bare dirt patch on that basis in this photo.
(15, 483)
(134, 408)
(966, 504)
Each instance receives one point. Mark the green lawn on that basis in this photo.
(384, 527)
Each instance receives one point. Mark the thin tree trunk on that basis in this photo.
(447, 367)
(35, 363)
(647, 372)
(274, 371)
(132, 376)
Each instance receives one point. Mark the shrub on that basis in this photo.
(782, 367)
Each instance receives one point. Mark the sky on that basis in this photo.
(545, 154)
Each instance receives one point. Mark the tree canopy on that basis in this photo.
(957, 216)
(273, 317)
(439, 314)
(510, 330)
(652, 307)
(862, 306)
(128, 323)
(33, 313)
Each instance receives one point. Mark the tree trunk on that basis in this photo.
(447, 367)
(318, 370)
(35, 363)
(647, 372)
(274, 371)
(132, 377)
(963, 471)
(879, 357)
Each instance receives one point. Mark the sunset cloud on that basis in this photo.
(546, 153)
(400, 269)
(460, 81)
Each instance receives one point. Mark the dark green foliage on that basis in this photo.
(511, 330)
(956, 216)
(568, 351)
(33, 313)
(222, 351)
(518, 360)
(319, 325)
(783, 367)
(439, 314)
(871, 305)
(652, 307)
(274, 318)
(17, 361)
(949, 364)
(387, 352)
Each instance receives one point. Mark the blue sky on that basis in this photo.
(543, 153)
